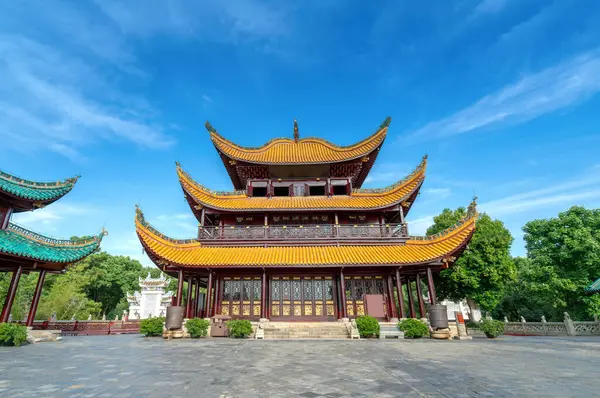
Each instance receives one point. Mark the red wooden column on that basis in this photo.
(10, 294)
(420, 296)
(208, 295)
(401, 312)
(431, 287)
(411, 304)
(188, 301)
(343, 293)
(179, 288)
(197, 298)
(391, 304)
(216, 298)
(36, 298)
(263, 295)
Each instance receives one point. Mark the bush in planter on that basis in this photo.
(239, 328)
(492, 328)
(197, 327)
(367, 326)
(413, 328)
(12, 334)
(152, 326)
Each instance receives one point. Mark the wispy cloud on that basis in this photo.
(52, 215)
(386, 173)
(437, 193)
(181, 225)
(206, 98)
(486, 7)
(552, 89)
(419, 226)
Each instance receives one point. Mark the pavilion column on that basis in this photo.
(208, 295)
(215, 306)
(390, 301)
(188, 301)
(179, 287)
(431, 287)
(420, 296)
(36, 298)
(411, 304)
(263, 295)
(10, 294)
(343, 294)
(401, 312)
(197, 298)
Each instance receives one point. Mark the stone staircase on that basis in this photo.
(305, 330)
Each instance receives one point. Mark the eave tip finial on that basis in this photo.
(472, 210)
(296, 132)
(386, 122)
(209, 127)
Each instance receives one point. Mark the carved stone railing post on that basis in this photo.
(544, 326)
(569, 325)
(523, 326)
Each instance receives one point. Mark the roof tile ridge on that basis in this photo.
(148, 229)
(416, 173)
(190, 180)
(50, 241)
(38, 184)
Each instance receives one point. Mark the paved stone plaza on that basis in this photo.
(133, 366)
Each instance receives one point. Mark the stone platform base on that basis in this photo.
(443, 334)
(40, 336)
(172, 334)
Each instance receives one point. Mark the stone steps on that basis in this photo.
(305, 330)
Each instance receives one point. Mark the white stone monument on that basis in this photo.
(152, 301)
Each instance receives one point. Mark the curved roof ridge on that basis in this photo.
(365, 199)
(142, 225)
(418, 171)
(47, 240)
(37, 194)
(37, 184)
(262, 154)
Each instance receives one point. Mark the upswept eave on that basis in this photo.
(39, 193)
(288, 151)
(20, 242)
(444, 247)
(365, 199)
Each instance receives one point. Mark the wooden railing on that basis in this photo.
(326, 231)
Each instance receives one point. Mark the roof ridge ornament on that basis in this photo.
(472, 209)
(209, 127)
(296, 132)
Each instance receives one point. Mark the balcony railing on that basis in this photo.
(326, 231)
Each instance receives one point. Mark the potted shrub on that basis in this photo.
(152, 326)
(197, 327)
(12, 334)
(239, 328)
(367, 326)
(413, 328)
(492, 328)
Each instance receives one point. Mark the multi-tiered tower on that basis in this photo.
(300, 239)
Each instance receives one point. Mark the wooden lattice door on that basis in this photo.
(296, 296)
(356, 289)
(241, 297)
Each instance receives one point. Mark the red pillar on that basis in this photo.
(390, 301)
(179, 288)
(420, 296)
(197, 298)
(411, 304)
(215, 307)
(188, 301)
(208, 296)
(401, 312)
(263, 295)
(343, 294)
(10, 294)
(36, 298)
(431, 287)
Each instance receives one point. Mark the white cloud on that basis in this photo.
(555, 88)
(487, 7)
(437, 193)
(181, 225)
(207, 98)
(420, 225)
(50, 216)
(386, 173)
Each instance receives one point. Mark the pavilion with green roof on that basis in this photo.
(594, 287)
(24, 251)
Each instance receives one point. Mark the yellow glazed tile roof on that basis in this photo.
(364, 199)
(191, 253)
(303, 151)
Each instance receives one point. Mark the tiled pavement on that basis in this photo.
(133, 366)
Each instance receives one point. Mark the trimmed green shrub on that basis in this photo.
(239, 328)
(12, 334)
(152, 326)
(492, 328)
(197, 327)
(367, 326)
(413, 328)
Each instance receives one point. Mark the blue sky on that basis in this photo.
(501, 95)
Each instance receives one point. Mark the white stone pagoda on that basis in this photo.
(152, 301)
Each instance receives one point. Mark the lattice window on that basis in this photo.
(257, 289)
(359, 290)
(247, 289)
(328, 289)
(286, 290)
(379, 286)
(227, 291)
(318, 289)
(297, 289)
(369, 286)
(275, 292)
(308, 289)
(237, 287)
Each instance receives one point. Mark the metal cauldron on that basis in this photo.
(438, 316)
(174, 319)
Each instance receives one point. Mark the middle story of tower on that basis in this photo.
(301, 190)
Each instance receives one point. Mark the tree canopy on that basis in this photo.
(480, 273)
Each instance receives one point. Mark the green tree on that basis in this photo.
(565, 252)
(481, 271)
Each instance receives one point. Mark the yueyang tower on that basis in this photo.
(24, 251)
(299, 239)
